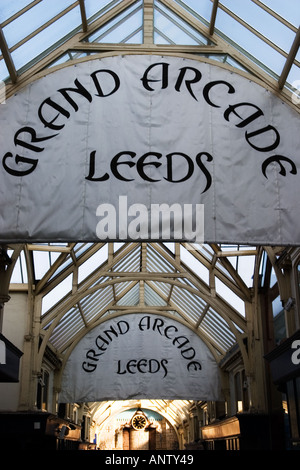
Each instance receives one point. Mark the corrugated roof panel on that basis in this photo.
(68, 327)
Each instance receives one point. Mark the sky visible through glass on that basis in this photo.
(280, 33)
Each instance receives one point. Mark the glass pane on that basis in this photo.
(120, 28)
(262, 22)
(9, 8)
(203, 8)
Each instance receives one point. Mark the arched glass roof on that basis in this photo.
(261, 36)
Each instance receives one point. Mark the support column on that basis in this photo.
(264, 397)
(257, 368)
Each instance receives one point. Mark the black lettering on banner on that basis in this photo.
(65, 92)
(190, 167)
(210, 85)
(269, 147)
(80, 90)
(204, 170)
(141, 164)
(196, 365)
(32, 162)
(169, 328)
(98, 86)
(158, 324)
(244, 122)
(91, 174)
(49, 102)
(179, 341)
(115, 163)
(108, 335)
(188, 353)
(143, 366)
(92, 355)
(28, 145)
(101, 342)
(49, 112)
(164, 363)
(53, 115)
(144, 323)
(121, 328)
(34, 139)
(88, 367)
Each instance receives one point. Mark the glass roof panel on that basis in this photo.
(198, 268)
(92, 263)
(69, 326)
(215, 327)
(230, 297)
(19, 274)
(156, 263)
(249, 42)
(257, 31)
(131, 297)
(57, 294)
(202, 8)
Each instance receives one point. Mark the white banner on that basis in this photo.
(140, 356)
(148, 148)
